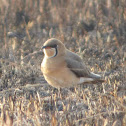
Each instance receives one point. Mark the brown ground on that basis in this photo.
(96, 30)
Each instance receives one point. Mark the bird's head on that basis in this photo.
(53, 48)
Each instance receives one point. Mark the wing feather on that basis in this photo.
(76, 65)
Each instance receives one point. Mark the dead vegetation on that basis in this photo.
(95, 29)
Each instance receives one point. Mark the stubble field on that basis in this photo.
(95, 30)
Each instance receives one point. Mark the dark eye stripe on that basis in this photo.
(53, 46)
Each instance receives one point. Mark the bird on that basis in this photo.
(62, 68)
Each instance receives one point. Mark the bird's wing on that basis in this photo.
(73, 56)
(78, 68)
(76, 65)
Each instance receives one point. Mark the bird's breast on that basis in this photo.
(58, 75)
(48, 66)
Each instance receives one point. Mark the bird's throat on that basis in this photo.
(50, 52)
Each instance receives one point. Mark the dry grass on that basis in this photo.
(96, 30)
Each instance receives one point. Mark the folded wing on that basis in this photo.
(76, 65)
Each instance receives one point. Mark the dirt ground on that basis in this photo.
(95, 30)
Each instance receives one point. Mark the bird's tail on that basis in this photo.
(95, 76)
(96, 79)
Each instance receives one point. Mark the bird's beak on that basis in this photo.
(43, 47)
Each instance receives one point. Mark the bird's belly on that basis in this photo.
(60, 78)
